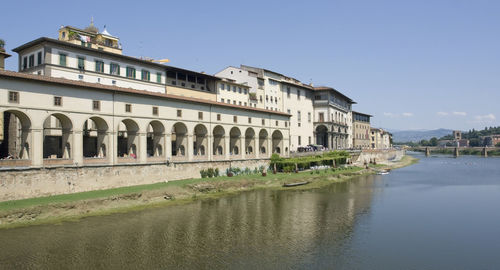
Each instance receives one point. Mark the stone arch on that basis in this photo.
(128, 138)
(179, 139)
(322, 135)
(17, 135)
(219, 144)
(235, 141)
(250, 142)
(57, 137)
(155, 139)
(263, 137)
(95, 137)
(277, 139)
(200, 140)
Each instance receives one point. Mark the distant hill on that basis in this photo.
(418, 135)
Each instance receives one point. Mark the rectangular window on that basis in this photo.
(260, 98)
(114, 69)
(235, 119)
(229, 101)
(179, 113)
(128, 107)
(131, 72)
(239, 90)
(13, 97)
(99, 66)
(263, 122)
(145, 75)
(62, 59)
(300, 140)
(172, 75)
(222, 100)
(39, 62)
(96, 105)
(81, 63)
(57, 101)
(181, 76)
(158, 77)
(245, 91)
(218, 117)
(245, 104)
(309, 117)
(286, 124)
(321, 117)
(276, 122)
(200, 115)
(191, 78)
(200, 80)
(234, 88)
(31, 61)
(288, 91)
(234, 102)
(309, 139)
(155, 110)
(299, 116)
(25, 62)
(239, 103)
(222, 86)
(249, 120)
(298, 94)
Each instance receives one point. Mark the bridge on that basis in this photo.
(456, 150)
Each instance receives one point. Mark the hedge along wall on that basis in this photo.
(288, 164)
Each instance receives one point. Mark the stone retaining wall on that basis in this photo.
(29, 183)
(379, 156)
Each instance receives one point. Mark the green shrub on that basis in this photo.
(203, 173)
(216, 172)
(210, 172)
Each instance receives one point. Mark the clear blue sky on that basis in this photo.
(411, 64)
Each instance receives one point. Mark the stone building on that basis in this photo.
(361, 130)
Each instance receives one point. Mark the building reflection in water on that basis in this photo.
(258, 229)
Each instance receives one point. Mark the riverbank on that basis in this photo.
(70, 207)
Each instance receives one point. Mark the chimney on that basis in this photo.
(3, 55)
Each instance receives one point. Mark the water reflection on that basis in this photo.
(260, 229)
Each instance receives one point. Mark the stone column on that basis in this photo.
(226, 146)
(242, 146)
(36, 145)
(78, 147)
(168, 147)
(189, 148)
(210, 146)
(114, 148)
(270, 149)
(143, 147)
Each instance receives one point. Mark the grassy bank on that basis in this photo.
(68, 207)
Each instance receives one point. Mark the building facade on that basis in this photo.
(333, 118)
(66, 122)
(361, 130)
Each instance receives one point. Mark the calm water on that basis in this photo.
(442, 213)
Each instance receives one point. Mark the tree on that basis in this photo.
(433, 141)
(475, 142)
(2, 44)
(497, 145)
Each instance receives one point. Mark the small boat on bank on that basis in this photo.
(295, 184)
(382, 173)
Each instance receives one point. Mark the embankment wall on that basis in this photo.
(29, 183)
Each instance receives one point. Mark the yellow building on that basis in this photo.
(361, 130)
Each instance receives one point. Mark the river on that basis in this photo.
(442, 213)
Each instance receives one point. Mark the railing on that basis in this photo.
(57, 161)
(126, 160)
(92, 160)
(15, 163)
